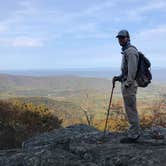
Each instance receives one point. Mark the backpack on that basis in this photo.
(143, 74)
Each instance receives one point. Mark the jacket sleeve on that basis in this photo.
(132, 59)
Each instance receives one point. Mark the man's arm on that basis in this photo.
(132, 58)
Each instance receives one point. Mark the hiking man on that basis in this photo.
(128, 85)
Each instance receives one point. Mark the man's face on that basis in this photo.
(123, 40)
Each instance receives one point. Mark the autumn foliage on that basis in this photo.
(154, 116)
(19, 121)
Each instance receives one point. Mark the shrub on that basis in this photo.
(20, 121)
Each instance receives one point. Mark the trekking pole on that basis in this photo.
(108, 111)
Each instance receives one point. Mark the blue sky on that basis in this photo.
(55, 34)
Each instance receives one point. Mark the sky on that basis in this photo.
(58, 34)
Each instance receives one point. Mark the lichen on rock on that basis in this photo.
(82, 145)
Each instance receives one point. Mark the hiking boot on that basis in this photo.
(129, 140)
(157, 135)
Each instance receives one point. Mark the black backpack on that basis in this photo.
(143, 74)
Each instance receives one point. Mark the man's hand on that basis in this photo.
(115, 78)
(127, 84)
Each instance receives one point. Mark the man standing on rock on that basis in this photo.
(129, 85)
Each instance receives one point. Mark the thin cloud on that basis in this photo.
(153, 5)
(22, 42)
(27, 42)
(140, 13)
(97, 35)
(152, 43)
(63, 27)
(154, 34)
(3, 28)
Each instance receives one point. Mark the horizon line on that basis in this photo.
(74, 68)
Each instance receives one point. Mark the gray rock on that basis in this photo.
(81, 145)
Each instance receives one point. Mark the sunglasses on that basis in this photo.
(121, 37)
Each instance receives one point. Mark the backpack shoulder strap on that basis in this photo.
(139, 60)
(133, 47)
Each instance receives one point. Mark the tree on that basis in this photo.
(87, 109)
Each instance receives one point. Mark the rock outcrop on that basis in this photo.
(81, 145)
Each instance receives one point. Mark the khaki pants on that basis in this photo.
(129, 98)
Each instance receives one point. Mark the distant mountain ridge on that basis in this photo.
(12, 86)
(49, 82)
(60, 86)
(90, 72)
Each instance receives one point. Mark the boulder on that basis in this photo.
(82, 145)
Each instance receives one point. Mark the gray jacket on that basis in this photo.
(129, 65)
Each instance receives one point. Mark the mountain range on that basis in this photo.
(157, 73)
(66, 83)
